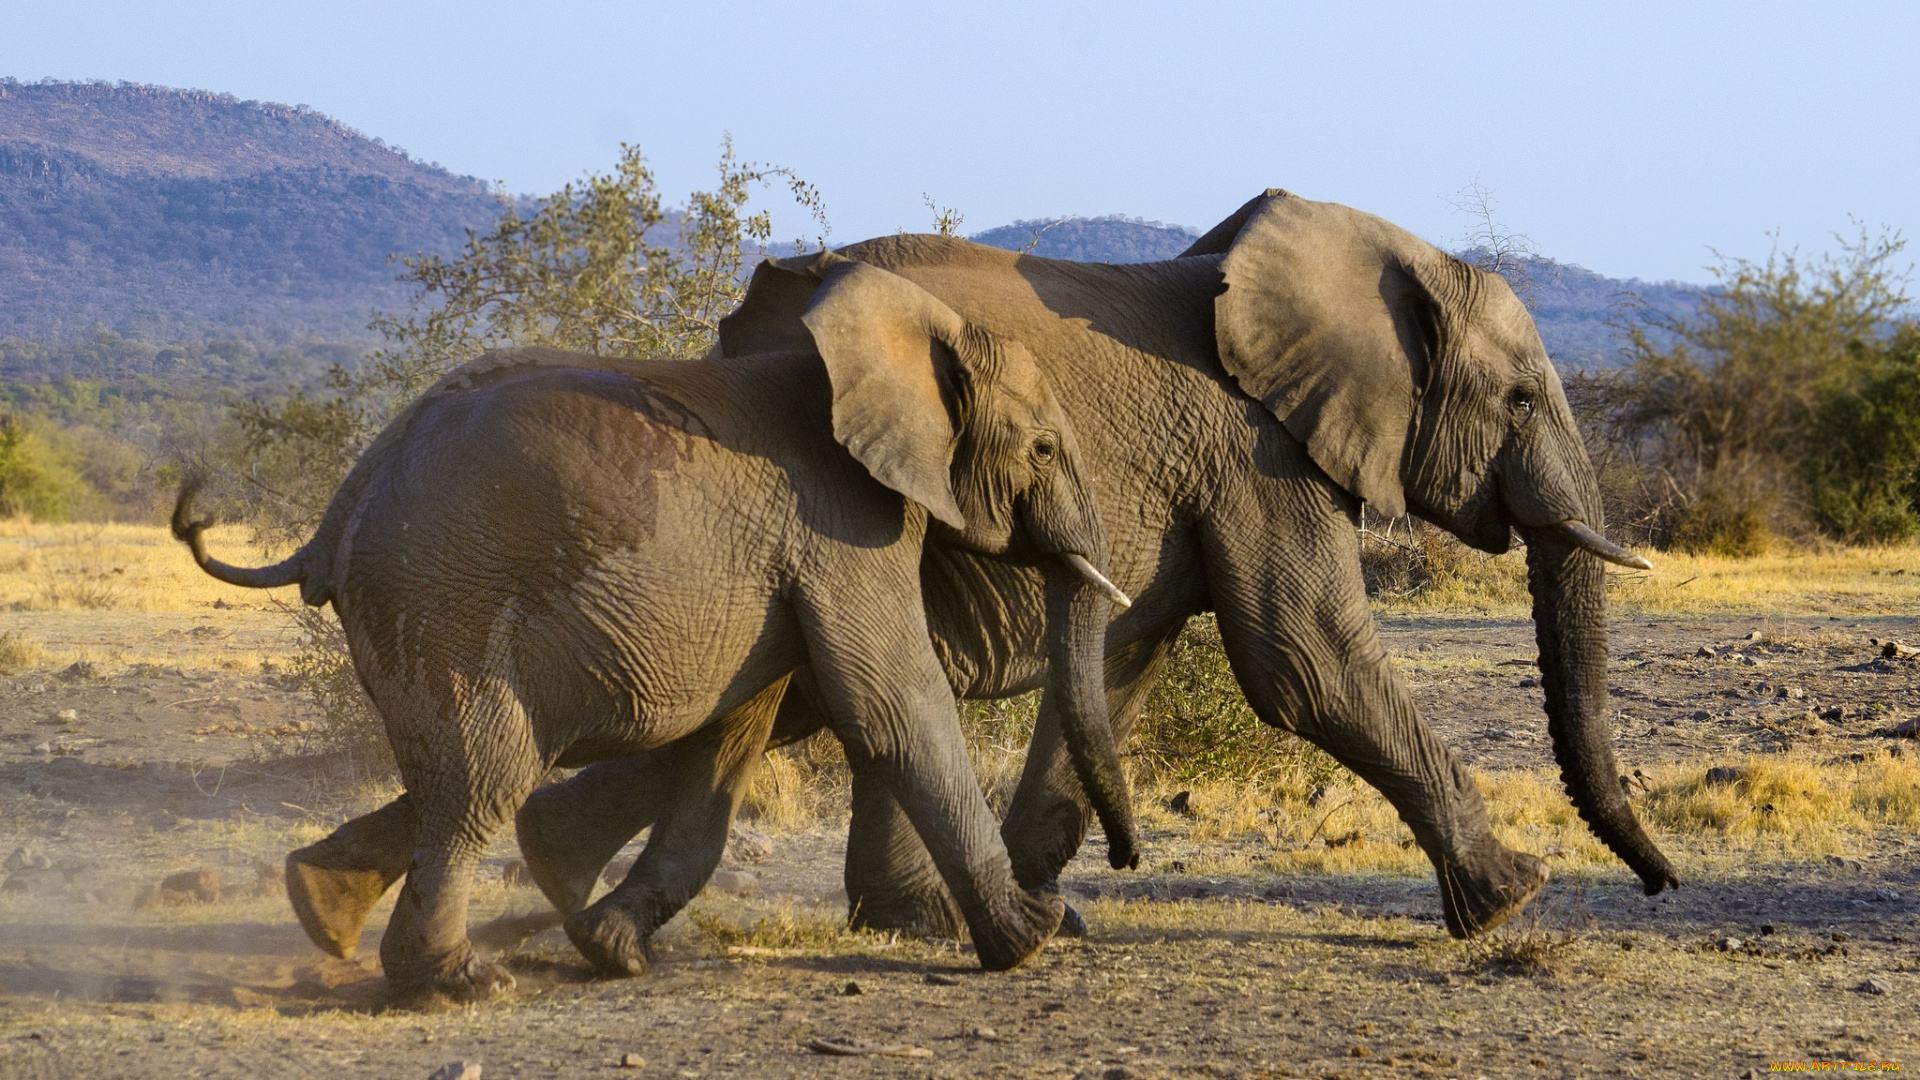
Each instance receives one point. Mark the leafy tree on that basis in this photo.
(1862, 466)
(601, 266)
(1723, 404)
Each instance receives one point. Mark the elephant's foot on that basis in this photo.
(922, 912)
(611, 939)
(332, 904)
(1018, 927)
(472, 980)
(1488, 888)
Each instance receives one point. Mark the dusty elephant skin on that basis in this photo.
(552, 559)
(1236, 406)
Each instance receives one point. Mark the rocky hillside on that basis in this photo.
(184, 214)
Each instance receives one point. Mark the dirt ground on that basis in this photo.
(174, 751)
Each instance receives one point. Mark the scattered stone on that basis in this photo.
(1835, 862)
(67, 716)
(1905, 729)
(1767, 928)
(851, 1048)
(632, 1061)
(200, 886)
(1894, 650)
(1747, 661)
(852, 989)
(43, 749)
(516, 874)
(1358, 1050)
(1702, 714)
(1529, 682)
(457, 1070)
(1730, 944)
(1876, 986)
(1887, 894)
(736, 882)
(1753, 635)
(220, 604)
(78, 670)
(747, 845)
(985, 1034)
(1181, 803)
(941, 978)
(1841, 936)
(1118, 1072)
(1707, 652)
(1721, 775)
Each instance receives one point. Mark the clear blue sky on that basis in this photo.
(1628, 137)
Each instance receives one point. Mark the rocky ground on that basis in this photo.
(145, 805)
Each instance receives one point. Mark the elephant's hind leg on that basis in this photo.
(710, 773)
(334, 884)
(468, 764)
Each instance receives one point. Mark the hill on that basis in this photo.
(183, 214)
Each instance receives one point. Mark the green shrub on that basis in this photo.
(1863, 465)
(33, 479)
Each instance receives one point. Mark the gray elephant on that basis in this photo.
(550, 559)
(1237, 405)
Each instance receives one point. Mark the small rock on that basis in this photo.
(1707, 652)
(1905, 729)
(1794, 693)
(632, 1061)
(1768, 928)
(1748, 661)
(1894, 650)
(1841, 936)
(200, 885)
(457, 1070)
(79, 669)
(985, 1034)
(221, 605)
(43, 749)
(736, 882)
(1358, 1050)
(1702, 714)
(852, 989)
(1835, 862)
(941, 978)
(20, 857)
(1753, 635)
(67, 716)
(1181, 803)
(1875, 986)
(1730, 944)
(1118, 1072)
(748, 845)
(1887, 894)
(1721, 775)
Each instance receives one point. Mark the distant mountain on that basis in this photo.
(185, 214)
(1113, 239)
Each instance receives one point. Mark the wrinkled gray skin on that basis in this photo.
(554, 559)
(1237, 405)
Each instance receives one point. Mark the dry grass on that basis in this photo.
(1829, 580)
(79, 566)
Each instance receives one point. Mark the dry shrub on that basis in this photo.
(783, 929)
(1541, 940)
(19, 653)
(800, 786)
(1792, 805)
(322, 668)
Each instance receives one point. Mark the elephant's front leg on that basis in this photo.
(707, 775)
(891, 882)
(891, 707)
(1304, 648)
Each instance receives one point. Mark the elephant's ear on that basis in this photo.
(1329, 320)
(768, 318)
(890, 350)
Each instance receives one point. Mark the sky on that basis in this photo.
(1636, 139)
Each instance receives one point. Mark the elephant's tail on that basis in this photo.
(289, 571)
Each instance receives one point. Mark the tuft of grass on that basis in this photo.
(784, 928)
(1543, 939)
(19, 653)
(1792, 805)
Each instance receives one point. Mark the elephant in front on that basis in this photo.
(1237, 405)
(552, 559)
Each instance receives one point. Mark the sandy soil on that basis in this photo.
(169, 767)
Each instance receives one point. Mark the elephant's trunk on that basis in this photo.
(1076, 684)
(1567, 583)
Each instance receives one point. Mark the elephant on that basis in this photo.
(550, 559)
(1239, 404)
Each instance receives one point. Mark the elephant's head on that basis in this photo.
(1419, 383)
(965, 424)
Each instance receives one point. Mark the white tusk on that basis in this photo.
(1096, 578)
(1579, 532)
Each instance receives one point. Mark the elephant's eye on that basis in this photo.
(1521, 401)
(1044, 448)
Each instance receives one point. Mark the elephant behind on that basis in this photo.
(551, 559)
